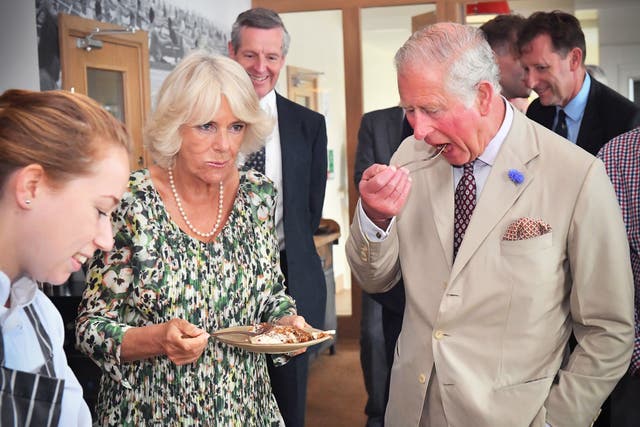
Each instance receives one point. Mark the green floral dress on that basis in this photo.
(155, 273)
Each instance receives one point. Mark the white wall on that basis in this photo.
(620, 45)
(18, 45)
(379, 86)
(384, 30)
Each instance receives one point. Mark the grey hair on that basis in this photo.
(259, 17)
(191, 95)
(461, 49)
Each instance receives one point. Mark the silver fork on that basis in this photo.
(247, 335)
(422, 161)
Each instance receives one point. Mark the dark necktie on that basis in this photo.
(255, 161)
(561, 125)
(465, 203)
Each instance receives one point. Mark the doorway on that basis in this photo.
(111, 67)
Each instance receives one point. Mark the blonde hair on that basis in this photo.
(63, 132)
(191, 95)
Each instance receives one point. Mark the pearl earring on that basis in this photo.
(27, 202)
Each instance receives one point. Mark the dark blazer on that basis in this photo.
(303, 140)
(607, 115)
(379, 136)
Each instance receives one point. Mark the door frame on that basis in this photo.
(79, 27)
(446, 10)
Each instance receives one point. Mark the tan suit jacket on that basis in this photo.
(495, 324)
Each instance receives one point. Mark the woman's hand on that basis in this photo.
(293, 320)
(298, 322)
(177, 339)
(183, 342)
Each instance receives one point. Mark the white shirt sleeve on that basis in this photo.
(372, 232)
(23, 352)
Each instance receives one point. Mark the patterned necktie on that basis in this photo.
(255, 161)
(465, 203)
(561, 125)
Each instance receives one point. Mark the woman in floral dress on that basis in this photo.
(195, 251)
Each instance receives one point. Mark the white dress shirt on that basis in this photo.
(273, 161)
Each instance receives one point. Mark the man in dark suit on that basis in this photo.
(295, 159)
(576, 106)
(380, 134)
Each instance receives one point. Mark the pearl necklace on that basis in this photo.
(184, 215)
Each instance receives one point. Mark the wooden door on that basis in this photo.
(114, 71)
(302, 86)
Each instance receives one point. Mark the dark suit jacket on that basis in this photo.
(607, 115)
(379, 136)
(303, 140)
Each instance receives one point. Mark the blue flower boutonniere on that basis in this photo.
(516, 176)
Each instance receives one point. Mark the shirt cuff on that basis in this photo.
(372, 232)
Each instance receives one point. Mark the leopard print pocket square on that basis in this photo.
(526, 228)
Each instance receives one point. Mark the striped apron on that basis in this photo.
(31, 399)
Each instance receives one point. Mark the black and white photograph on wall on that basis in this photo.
(175, 27)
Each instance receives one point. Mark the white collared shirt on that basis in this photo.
(273, 161)
(22, 350)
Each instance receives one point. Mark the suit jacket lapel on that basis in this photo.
(590, 131)
(499, 192)
(440, 187)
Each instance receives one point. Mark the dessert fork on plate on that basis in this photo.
(246, 335)
(226, 332)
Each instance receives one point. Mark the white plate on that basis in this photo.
(242, 341)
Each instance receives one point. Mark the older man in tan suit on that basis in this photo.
(492, 302)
